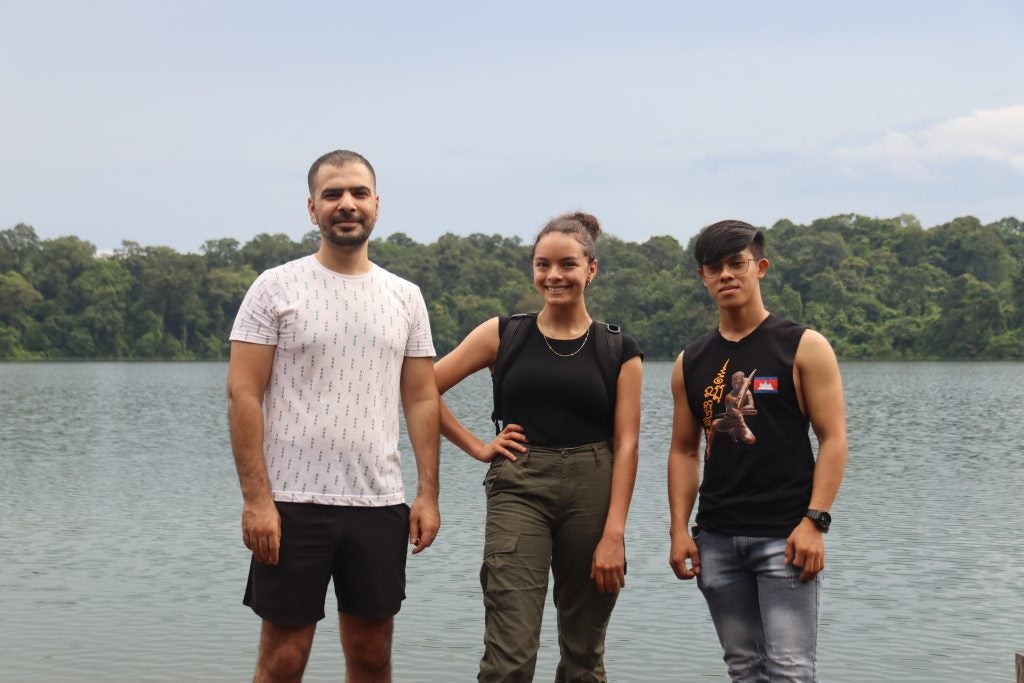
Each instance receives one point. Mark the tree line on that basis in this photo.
(877, 288)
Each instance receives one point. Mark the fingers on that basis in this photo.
(414, 534)
(510, 440)
(813, 564)
(807, 554)
(265, 547)
(270, 549)
(275, 550)
(424, 539)
(799, 556)
(608, 580)
(261, 533)
(684, 558)
(424, 523)
(608, 565)
(684, 571)
(515, 428)
(810, 570)
(417, 534)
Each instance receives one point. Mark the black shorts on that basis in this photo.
(362, 548)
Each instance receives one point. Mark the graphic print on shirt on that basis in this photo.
(738, 404)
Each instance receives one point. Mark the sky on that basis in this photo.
(174, 123)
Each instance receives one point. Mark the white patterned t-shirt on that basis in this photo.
(331, 406)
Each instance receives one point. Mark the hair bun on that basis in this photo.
(589, 222)
(583, 227)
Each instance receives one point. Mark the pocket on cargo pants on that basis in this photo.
(514, 596)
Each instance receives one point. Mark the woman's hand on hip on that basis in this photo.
(510, 441)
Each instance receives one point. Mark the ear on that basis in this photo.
(762, 267)
(592, 270)
(309, 207)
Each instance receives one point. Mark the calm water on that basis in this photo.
(122, 558)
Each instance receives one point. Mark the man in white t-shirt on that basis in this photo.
(323, 350)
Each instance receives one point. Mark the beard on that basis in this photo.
(348, 240)
(351, 239)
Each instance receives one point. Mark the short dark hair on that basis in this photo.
(725, 238)
(339, 157)
(582, 226)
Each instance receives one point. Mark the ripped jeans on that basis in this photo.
(766, 618)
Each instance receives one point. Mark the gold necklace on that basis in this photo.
(563, 355)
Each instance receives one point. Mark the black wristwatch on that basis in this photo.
(821, 519)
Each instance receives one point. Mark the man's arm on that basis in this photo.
(248, 375)
(683, 478)
(820, 389)
(420, 402)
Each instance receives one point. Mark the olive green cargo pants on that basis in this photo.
(545, 511)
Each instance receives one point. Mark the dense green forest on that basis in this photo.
(877, 288)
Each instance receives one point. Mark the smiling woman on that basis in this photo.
(571, 413)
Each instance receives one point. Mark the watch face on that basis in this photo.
(821, 518)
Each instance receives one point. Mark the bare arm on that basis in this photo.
(820, 390)
(420, 404)
(248, 375)
(477, 351)
(683, 478)
(608, 568)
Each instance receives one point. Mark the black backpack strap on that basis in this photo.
(513, 331)
(609, 355)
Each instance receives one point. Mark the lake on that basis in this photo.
(122, 556)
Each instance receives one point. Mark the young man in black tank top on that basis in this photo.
(752, 388)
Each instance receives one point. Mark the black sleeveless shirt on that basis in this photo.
(560, 401)
(760, 488)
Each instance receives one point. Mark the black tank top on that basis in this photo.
(760, 488)
(560, 401)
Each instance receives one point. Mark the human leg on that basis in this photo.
(514, 572)
(289, 596)
(789, 612)
(369, 565)
(366, 643)
(283, 653)
(583, 611)
(730, 589)
(291, 593)
(369, 583)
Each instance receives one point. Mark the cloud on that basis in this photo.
(993, 135)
